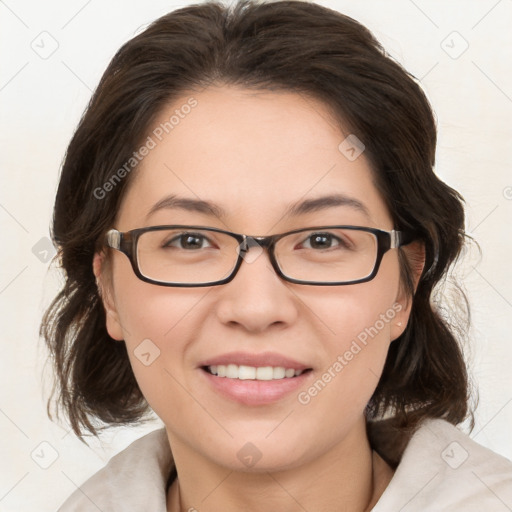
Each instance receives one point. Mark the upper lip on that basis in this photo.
(257, 360)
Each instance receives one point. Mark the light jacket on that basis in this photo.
(441, 469)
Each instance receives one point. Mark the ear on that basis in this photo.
(105, 289)
(415, 254)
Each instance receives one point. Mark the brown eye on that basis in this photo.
(187, 241)
(324, 241)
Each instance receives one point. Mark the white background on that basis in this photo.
(41, 101)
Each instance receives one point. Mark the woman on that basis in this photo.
(251, 231)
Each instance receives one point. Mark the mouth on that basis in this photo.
(254, 379)
(243, 372)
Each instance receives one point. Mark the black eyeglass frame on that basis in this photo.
(126, 242)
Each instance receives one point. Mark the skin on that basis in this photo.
(254, 153)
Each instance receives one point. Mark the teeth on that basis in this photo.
(233, 371)
(244, 372)
(280, 373)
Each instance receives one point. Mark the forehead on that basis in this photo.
(254, 153)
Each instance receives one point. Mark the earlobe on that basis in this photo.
(399, 323)
(105, 292)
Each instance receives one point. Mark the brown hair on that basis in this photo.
(283, 45)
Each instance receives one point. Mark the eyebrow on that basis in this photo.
(295, 209)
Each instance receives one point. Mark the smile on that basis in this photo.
(243, 372)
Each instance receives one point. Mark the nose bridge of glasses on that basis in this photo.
(258, 244)
(255, 241)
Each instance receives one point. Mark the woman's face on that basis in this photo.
(254, 155)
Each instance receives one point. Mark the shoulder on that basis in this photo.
(444, 469)
(133, 480)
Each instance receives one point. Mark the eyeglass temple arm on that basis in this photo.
(400, 238)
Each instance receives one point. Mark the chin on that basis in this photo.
(256, 454)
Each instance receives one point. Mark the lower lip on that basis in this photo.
(256, 392)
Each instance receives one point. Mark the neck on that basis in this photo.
(349, 474)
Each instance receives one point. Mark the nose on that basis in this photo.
(257, 298)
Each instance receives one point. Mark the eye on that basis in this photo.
(188, 241)
(324, 241)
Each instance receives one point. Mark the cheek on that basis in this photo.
(157, 338)
(340, 392)
(361, 312)
(356, 328)
(148, 311)
(158, 324)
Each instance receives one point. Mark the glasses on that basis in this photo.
(190, 256)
